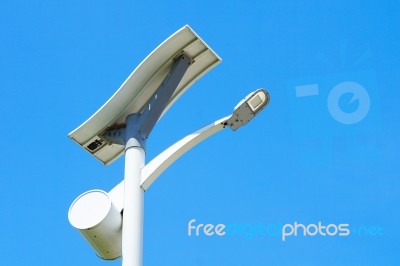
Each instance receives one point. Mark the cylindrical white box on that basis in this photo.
(99, 221)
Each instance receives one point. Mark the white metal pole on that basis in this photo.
(132, 223)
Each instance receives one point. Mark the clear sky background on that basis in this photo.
(297, 161)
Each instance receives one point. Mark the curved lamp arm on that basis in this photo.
(158, 165)
(244, 111)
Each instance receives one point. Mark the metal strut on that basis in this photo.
(138, 126)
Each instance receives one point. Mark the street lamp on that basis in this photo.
(113, 222)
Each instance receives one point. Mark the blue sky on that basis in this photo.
(310, 159)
